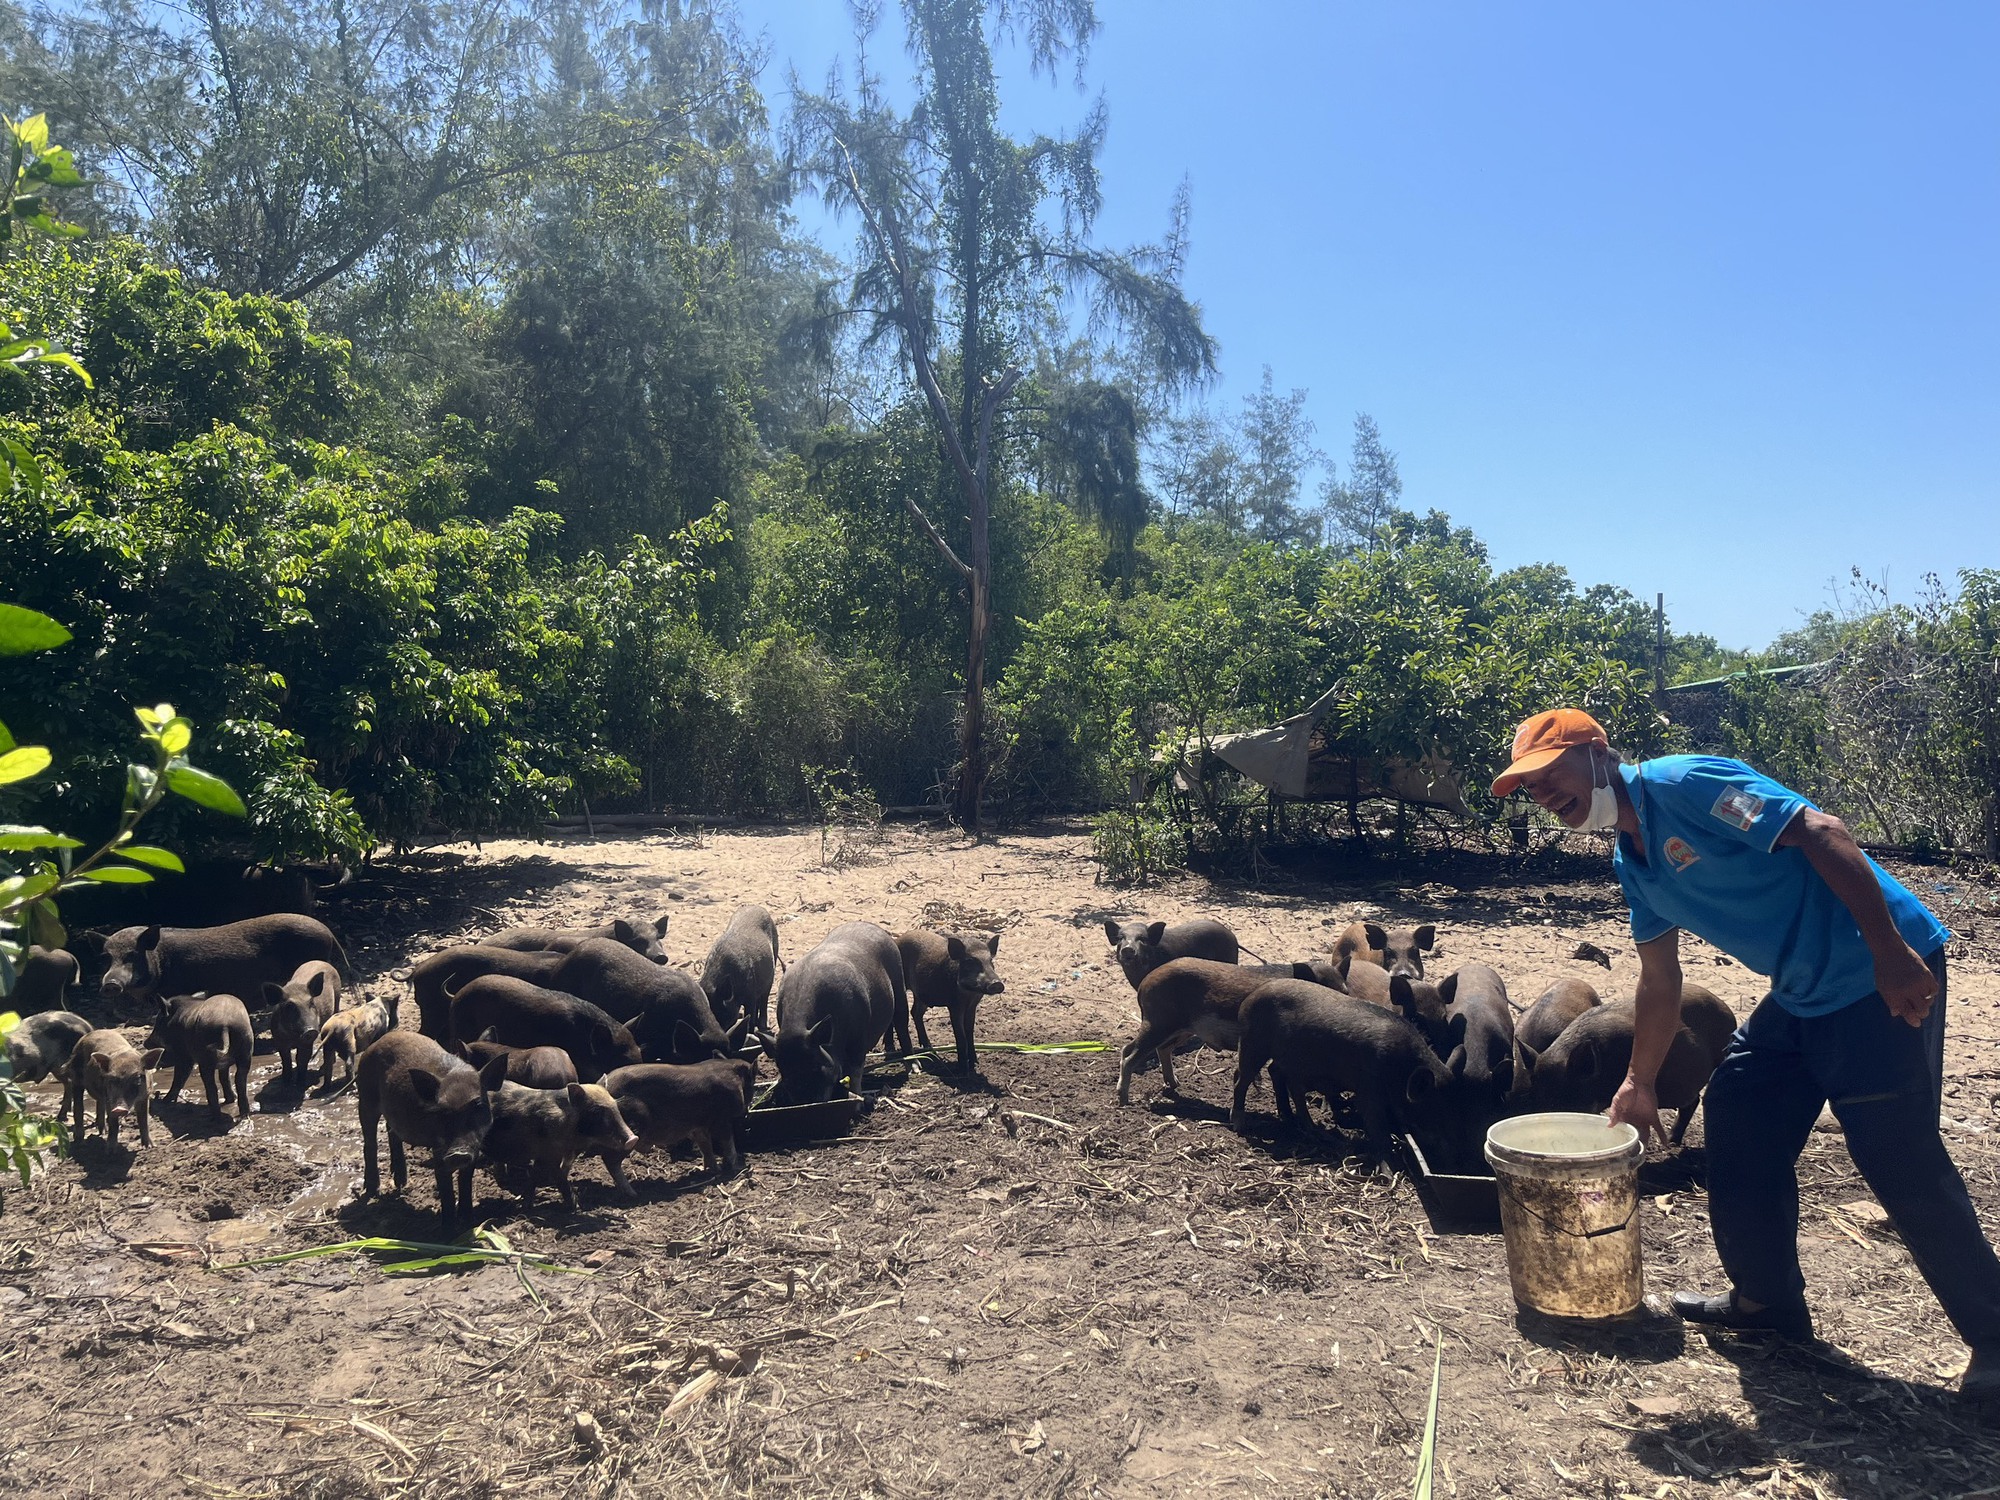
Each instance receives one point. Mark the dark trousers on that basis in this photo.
(1884, 1079)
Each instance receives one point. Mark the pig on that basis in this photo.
(666, 1104)
(213, 1033)
(299, 1007)
(1142, 947)
(39, 1046)
(348, 1033)
(1416, 1000)
(1560, 1004)
(43, 980)
(642, 937)
(835, 1004)
(1481, 1023)
(953, 970)
(740, 969)
(1400, 950)
(1582, 1068)
(520, 1014)
(537, 1133)
(1314, 1040)
(531, 1067)
(149, 962)
(1199, 998)
(115, 1074)
(428, 1098)
(1709, 1017)
(670, 1021)
(454, 966)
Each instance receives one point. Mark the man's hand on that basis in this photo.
(1635, 1104)
(1905, 982)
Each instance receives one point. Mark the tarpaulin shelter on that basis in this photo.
(1295, 759)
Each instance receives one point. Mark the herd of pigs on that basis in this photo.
(536, 1047)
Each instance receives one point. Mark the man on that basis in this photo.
(1855, 1016)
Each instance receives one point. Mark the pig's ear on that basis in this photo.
(96, 1063)
(1377, 938)
(274, 994)
(1401, 995)
(626, 933)
(1529, 1057)
(150, 1058)
(686, 1039)
(763, 1039)
(1422, 1082)
(459, 1050)
(1303, 970)
(993, 946)
(316, 986)
(1503, 1074)
(1155, 931)
(633, 1024)
(820, 1030)
(660, 925)
(1426, 936)
(424, 1084)
(1583, 1060)
(1456, 1027)
(578, 1094)
(493, 1075)
(1346, 963)
(955, 947)
(490, 1034)
(1111, 932)
(1448, 987)
(149, 939)
(1456, 1062)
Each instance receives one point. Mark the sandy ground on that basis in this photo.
(1009, 1288)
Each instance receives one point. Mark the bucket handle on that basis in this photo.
(1587, 1234)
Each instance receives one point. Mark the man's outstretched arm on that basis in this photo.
(1905, 982)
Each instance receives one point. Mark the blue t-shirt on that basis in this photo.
(1712, 866)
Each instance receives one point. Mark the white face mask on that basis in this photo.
(1603, 814)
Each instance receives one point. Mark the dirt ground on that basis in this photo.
(1018, 1289)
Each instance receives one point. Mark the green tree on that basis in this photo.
(966, 230)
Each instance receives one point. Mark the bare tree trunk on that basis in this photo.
(972, 729)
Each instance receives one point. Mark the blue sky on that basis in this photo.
(1698, 298)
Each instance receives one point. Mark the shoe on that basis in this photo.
(1793, 1323)
(1981, 1380)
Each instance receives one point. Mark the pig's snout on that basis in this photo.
(631, 1140)
(997, 987)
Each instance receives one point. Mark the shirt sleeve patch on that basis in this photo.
(1738, 808)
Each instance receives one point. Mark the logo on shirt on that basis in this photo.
(1738, 808)
(1680, 854)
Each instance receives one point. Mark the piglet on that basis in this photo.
(1315, 1041)
(641, 935)
(537, 1133)
(42, 1043)
(1199, 1000)
(43, 981)
(299, 1007)
(427, 1097)
(531, 1067)
(1560, 1004)
(212, 1033)
(115, 1074)
(835, 1004)
(666, 1104)
(1400, 950)
(953, 970)
(1415, 1000)
(740, 969)
(348, 1033)
(1142, 947)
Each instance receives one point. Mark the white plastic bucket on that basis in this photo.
(1569, 1210)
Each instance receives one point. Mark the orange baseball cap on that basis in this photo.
(1544, 737)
